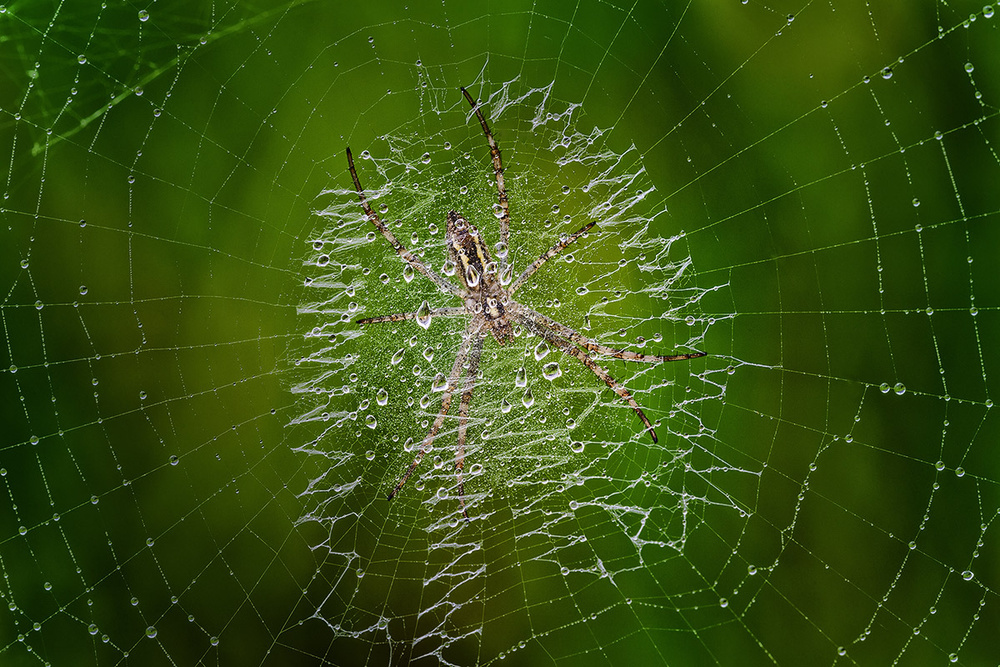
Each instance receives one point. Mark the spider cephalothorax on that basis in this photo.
(487, 295)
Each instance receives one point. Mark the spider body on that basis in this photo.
(486, 291)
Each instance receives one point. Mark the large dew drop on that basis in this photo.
(551, 371)
(424, 315)
(382, 397)
(521, 378)
(541, 350)
(507, 275)
(440, 383)
(398, 357)
(528, 399)
(471, 276)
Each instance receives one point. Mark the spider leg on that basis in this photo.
(407, 256)
(572, 350)
(594, 346)
(498, 170)
(463, 415)
(398, 317)
(471, 332)
(549, 254)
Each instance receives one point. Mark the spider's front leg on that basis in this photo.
(443, 283)
(504, 217)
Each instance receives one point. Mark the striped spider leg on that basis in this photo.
(487, 295)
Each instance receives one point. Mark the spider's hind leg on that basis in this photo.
(453, 379)
(594, 367)
(463, 416)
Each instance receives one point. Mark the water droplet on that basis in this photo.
(476, 469)
(988, 11)
(939, 465)
(551, 370)
(884, 387)
(969, 67)
(723, 602)
(899, 388)
(751, 570)
(92, 629)
(967, 575)
(428, 353)
(424, 314)
(371, 422)
(440, 383)
(521, 378)
(887, 73)
(174, 460)
(449, 268)
(505, 406)
(959, 471)
(407, 273)
(541, 350)
(507, 275)
(214, 641)
(144, 16)
(398, 357)
(528, 399)
(498, 210)
(471, 276)
(426, 158)
(151, 632)
(576, 446)
(382, 397)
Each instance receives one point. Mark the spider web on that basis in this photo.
(198, 438)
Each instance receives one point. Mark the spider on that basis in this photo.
(487, 290)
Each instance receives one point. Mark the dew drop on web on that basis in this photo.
(471, 276)
(424, 314)
(528, 399)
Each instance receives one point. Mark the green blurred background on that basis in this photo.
(162, 169)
